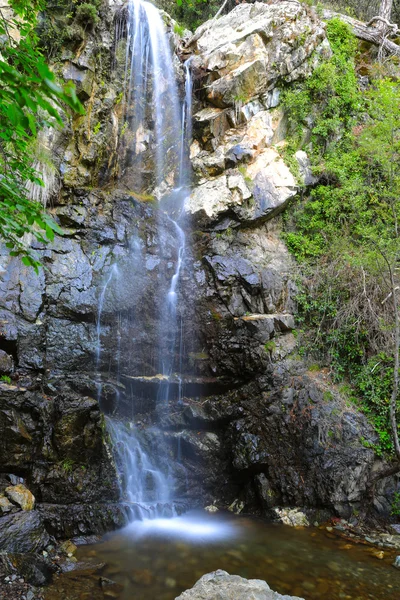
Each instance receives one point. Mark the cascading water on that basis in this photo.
(156, 119)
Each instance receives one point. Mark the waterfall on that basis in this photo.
(156, 118)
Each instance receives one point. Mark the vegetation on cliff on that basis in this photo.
(30, 98)
(344, 233)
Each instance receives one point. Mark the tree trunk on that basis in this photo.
(385, 9)
(395, 392)
(363, 32)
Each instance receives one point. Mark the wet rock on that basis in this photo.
(23, 532)
(68, 548)
(231, 587)
(110, 588)
(67, 521)
(21, 496)
(34, 569)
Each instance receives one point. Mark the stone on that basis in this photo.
(305, 168)
(293, 517)
(6, 363)
(5, 505)
(211, 508)
(21, 496)
(82, 77)
(35, 570)
(68, 548)
(222, 586)
(236, 507)
(397, 562)
(210, 201)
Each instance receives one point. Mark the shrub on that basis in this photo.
(87, 14)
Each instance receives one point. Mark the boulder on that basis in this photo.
(219, 585)
(20, 495)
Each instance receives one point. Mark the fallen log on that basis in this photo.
(364, 32)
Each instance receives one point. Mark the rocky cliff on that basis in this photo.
(255, 427)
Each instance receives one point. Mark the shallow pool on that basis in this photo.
(159, 559)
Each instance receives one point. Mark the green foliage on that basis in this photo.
(65, 23)
(30, 98)
(87, 14)
(179, 29)
(373, 387)
(396, 504)
(345, 233)
(67, 465)
(270, 346)
(5, 379)
(328, 99)
(193, 13)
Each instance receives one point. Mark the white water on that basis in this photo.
(151, 96)
(194, 526)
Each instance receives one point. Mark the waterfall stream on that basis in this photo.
(151, 96)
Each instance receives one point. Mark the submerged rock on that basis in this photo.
(219, 585)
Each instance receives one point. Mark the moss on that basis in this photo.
(270, 346)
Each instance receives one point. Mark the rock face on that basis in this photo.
(254, 425)
(242, 60)
(219, 585)
(256, 45)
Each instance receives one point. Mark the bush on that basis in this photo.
(87, 14)
(344, 234)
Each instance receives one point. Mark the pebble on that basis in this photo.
(170, 582)
(397, 562)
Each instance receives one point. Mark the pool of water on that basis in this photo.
(159, 559)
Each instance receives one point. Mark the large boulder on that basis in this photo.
(246, 52)
(219, 585)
